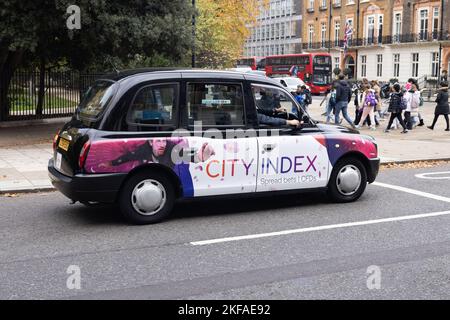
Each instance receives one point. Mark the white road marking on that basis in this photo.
(412, 191)
(320, 228)
(428, 175)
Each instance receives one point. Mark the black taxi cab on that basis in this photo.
(145, 138)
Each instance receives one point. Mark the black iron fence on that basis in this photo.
(32, 95)
(421, 37)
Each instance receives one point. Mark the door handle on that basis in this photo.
(269, 147)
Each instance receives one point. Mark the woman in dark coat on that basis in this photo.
(442, 107)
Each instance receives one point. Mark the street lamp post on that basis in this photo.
(193, 36)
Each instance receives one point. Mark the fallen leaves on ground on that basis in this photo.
(414, 165)
(10, 195)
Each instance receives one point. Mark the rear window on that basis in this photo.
(97, 98)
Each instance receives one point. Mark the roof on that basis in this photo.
(185, 71)
(135, 76)
(116, 76)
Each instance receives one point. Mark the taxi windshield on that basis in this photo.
(96, 98)
(293, 81)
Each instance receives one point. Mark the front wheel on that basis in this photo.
(146, 198)
(348, 181)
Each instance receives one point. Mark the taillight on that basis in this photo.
(55, 140)
(83, 154)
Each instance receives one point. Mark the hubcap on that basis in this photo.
(148, 197)
(348, 180)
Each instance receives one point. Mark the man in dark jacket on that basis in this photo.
(343, 97)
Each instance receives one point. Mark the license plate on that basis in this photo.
(58, 161)
(63, 144)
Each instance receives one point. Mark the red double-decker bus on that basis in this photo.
(256, 63)
(313, 68)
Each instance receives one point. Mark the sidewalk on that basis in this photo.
(25, 151)
(419, 144)
(24, 168)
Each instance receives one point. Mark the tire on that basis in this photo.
(342, 193)
(140, 188)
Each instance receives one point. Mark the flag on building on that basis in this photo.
(347, 36)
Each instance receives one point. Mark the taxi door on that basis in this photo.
(287, 158)
(225, 158)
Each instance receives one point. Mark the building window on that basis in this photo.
(397, 27)
(435, 23)
(396, 59)
(423, 24)
(363, 66)
(311, 4)
(379, 65)
(323, 34)
(370, 30)
(380, 29)
(435, 64)
(310, 35)
(415, 65)
(337, 62)
(337, 31)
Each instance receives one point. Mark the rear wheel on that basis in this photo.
(147, 197)
(348, 181)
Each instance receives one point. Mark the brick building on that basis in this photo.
(391, 39)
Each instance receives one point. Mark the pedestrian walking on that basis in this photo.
(442, 107)
(307, 97)
(299, 96)
(357, 91)
(330, 100)
(379, 107)
(359, 102)
(343, 97)
(409, 84)
(397, 103)
(412, 107)
(369, 103)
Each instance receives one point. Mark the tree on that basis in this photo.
(223, 26)
(35, 32)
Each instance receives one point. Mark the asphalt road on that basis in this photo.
(41, 235)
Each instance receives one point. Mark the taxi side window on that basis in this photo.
(153, 108)
(216, 105)
(272, 102)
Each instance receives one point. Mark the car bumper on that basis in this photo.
(374, 169)
(87, 188)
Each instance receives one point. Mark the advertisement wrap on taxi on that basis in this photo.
(146, 139)
(228, 166)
